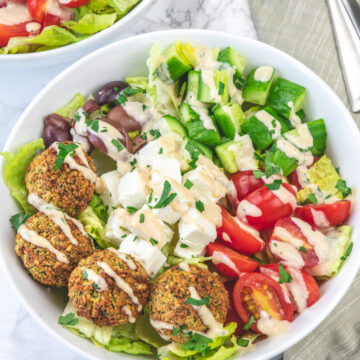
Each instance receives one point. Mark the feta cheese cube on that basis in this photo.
(168, 167)
(149, 256)
(133, 189)
(115, 232)
(110, 182)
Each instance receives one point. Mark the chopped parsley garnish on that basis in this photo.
(198, 343)
(166, 198)
(18, 219)
(69, 319)
(131, 210)
(133, 162)
(341, 185)
(121, 99)
(194, 153)
(284, 277)
(155, 133)
(96, 286)
(249, 323)
(184, 246)
(240, 83)
(260, 261)
(117, 144)
(161, 151)
(273, 123)
(221, 88)
(275, 185)
(197, 302)
(153, 241)
(84, 274)
(175, 331)
(200, 206)
(302, 249)
(144, 107)
(312, 198)
(92, 124)
(151, 195)
(144, 136)
(104, 130)
(348, 251)
(77, 117)
(142, 218)
(129, 91)
(115, 88)
(258, 174)
(188, 184)
(258, 156)
(64, 151)
(243, 342)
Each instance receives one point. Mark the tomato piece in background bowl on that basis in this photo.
(230, 262)
(324, 215)
(302, 289)
(261, 304)
(73, 3)
(21, 29)
(263, 207)
(237, 235)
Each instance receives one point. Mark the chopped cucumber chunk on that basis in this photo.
(188, 157)
(173, 66)
(169, 124)
(213, 86)
(229, 117)
(279, 158)
(193, 84)
(252, 111)
(234, 59)
(258, 85)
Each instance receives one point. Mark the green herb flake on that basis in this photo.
(84, 274)
(175, 331)
(19, 219)
(142, 218)
(161, 151)
(221, 88)
(77, 117)
(258, 174)
(144, 107)
(194, 153)
(196, 302)
(200, 206)
(341, 185)
(115, 88)
(144, 136)
(312, 198)
(166, 198)
(188, 184)
(249, 323)
(153, 241)
(121, 99)
(63, 151)
(117, 144)
(275, 185)
(243, 342)
(96, 286)
(273, 123)
(184, 246)
(284, 276)
(260, 261)
(92, 124)
(68, 320)
(155, 133)
(198, 343)
(130, 91)
(133, 162)
(131, 210)
(151, 196)
(302, 249)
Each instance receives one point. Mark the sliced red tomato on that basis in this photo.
(263, 207)
(301, 285)
(9, 31)
(73, 3)
(256, 292)
(245, 183)
(301, 255)
(325, 215)
(294, 179)
(230, 262)
(51, 20)
(239, 236)
(232, 315)
(37, 9)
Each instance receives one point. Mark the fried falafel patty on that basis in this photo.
(168, 307)
(66, 188)
(109, 288)
(54, 264)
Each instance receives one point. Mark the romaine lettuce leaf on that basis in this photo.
(122, 7)
(90, 23)
(15, 170)
(100, 209)
(69, 110)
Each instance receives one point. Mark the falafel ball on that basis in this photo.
(109, 288)
(168, 300)
(42, 263)
(66, 188)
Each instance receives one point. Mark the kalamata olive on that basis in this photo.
(57, 121)
(90, 106)
(137, 143)
(52, 134)
(126, 121)
(109, 92)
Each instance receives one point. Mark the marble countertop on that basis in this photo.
(21, 337)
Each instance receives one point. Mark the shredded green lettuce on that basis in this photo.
(122, 7)
(15, 171)
(91, 23)
(100, 209)
(69, 110)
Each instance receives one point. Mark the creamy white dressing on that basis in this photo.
(285, 196)
(161, 325)
(207, 77)
(81, 140)
(203, 112)
(54, 8)
(243, 151)
(205, 58)
(319, 218)
(288, 253)
(284, 235)
(220, 258)
(291, 151)
(315, 238)
(184, 266)
(214, 327)
(94, 277)
(269, 121)
(14, 14)
(34, 238)
(302, 175)
(225, 236)
(123, 285)
(271, 327)
(128, 312)
(249, 229)
(303, 139)
(32, 27)
(298, 289)
(136, 110)
(57, 216)
(125, 258)
(234, 93)
(263, 73)
(246, 208)
(294, 119)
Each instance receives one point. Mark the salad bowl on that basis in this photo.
(127, 58)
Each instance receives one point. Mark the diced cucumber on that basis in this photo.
(169, 124)
(200, 125)
(258, 85)
(233, 58)
(301, 114)
(204, 150)
(213, 86)
(309, 136)
(229, 117)
(286, 97)
(173, 66)
(193, 84)
(252, 111)
(237, 155)
(279, 158)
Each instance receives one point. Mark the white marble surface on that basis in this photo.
(21, 338)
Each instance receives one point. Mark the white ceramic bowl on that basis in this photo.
(127, 58)
(75, 51)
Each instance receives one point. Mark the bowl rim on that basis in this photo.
(348, 121)
(135, 11)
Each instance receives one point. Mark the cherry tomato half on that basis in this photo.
(37, 9)
(256, 292)
(73, 3)
(239, 236)
(245, 183)
(9, 31)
